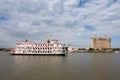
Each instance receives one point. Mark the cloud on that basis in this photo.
(68, 20)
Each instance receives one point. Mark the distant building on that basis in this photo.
(72, 49)
(100, 43)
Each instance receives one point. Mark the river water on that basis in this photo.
(79, 66)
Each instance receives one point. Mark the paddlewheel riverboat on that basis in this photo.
(50, 47)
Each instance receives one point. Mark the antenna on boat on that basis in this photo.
(48, 41)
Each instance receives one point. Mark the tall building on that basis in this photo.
(100, 42)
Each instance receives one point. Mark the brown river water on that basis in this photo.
(79, 66)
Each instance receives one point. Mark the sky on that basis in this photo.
(71, 21)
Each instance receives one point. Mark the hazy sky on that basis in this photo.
(71, 21)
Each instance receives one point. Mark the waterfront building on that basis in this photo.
(100, 42)
(72, 49)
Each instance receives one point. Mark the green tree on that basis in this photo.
(91, 49)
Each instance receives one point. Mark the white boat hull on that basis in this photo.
(38, 53)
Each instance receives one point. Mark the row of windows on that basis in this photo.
(49, 48)
(40, 48)
(32, 48)
(43, 45)
(41, 51)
